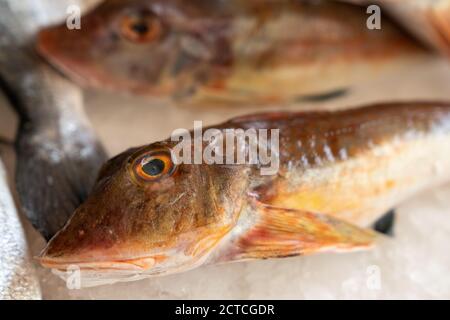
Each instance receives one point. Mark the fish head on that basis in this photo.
(148, 216)
(154, 47)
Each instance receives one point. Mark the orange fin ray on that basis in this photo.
(280, 232)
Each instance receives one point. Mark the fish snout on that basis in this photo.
(67, 51)
(122, 257)
(97, 249)
(55, 44)
(78, 271)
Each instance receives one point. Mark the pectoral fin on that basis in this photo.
(277, 232)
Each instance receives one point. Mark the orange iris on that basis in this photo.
(153, 165)
(141, 28)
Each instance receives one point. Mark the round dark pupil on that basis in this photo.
(140, 27)
(153, 167)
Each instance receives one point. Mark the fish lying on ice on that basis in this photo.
(58, 153)
(338, 172)
(243, 51)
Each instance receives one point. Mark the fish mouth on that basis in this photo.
(96, 273)
(134, 264)
(100, 267)
(48, 46)
(79, 275)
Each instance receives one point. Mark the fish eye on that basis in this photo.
(153, 166)
(141, 28)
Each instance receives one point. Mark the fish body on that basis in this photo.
(241, 51)
(338, 173)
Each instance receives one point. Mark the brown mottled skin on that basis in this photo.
(352, 165)
(237, 50)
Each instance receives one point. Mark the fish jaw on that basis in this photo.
(138, 264)
(50, 44)
(89, 258)
(112, 271)
(107, 267)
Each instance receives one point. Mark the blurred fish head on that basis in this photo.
(154, 47)
(148, 216)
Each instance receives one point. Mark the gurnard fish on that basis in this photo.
(243, 51)
(339, 172)
(58, 152)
